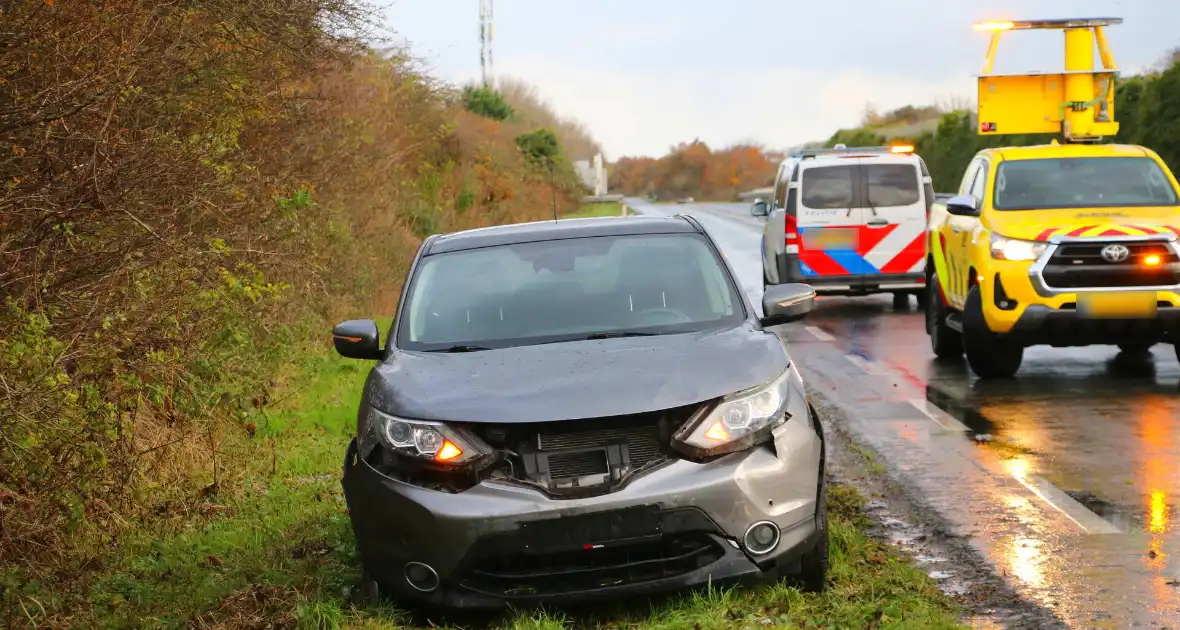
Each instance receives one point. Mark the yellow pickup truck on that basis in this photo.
(1060, 244)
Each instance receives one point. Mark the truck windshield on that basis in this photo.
(1102, 182)
(560, 290)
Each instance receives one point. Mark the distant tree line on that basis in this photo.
(694, 170)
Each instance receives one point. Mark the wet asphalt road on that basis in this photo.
(1064, 478)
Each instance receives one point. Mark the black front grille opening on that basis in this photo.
(571, 458)
(1110, 276)
(533, 575)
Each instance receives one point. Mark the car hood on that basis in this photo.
(1041, 225)
(578, 379)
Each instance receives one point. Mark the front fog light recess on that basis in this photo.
(761, 538)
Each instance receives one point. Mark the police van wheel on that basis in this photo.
(946, 342)
(920, 297)
(989, 355)
(901, 301)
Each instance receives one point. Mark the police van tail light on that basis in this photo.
(791, 232)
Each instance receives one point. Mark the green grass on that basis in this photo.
(602, 209)
(282, 553)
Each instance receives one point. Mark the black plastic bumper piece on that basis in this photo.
(1041, 325)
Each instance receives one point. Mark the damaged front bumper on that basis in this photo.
(675, 526)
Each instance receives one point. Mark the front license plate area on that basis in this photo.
(584, 531)
(1118, 305)
(830, 239)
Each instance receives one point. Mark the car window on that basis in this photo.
(969, 177)
(979, 184)
(892, 184)
(566, 289)
(828, 187)
(1082, 183)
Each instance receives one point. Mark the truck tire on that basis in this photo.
(989, 355)
(1135, 348)
(946, 342)
(901, 301)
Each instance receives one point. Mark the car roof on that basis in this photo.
(1045, 151)
(556, 230)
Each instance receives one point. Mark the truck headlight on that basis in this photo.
(738, 422)
(1004, 248)
(433, 443)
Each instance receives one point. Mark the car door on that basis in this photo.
(893, 241)
(772, 231)
(957, 233)
(828, 220)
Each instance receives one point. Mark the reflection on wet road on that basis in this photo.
(1065, 478)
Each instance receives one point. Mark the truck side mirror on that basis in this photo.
(962, 206)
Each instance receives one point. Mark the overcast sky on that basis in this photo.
(644, 75)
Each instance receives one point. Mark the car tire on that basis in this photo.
(1135, 348)
(901, 301)
(814, 564)
(945, 341)
(920, 298)
(989, 355)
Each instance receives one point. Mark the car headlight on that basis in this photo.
(431, 443)
(1004, 248)
(739, 421)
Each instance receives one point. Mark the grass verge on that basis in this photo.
(282, 555)
(601, 209)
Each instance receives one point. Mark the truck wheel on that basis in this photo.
(1135, 348)
(901, 301)
(988, 354)
(946, 342)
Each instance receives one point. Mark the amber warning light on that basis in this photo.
(1152, 260)
(901, 148)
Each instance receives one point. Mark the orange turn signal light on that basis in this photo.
(448, 452)
(717, 432)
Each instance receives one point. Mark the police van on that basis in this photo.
(849, 221)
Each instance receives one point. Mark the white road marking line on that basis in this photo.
(940, 417)
(868, 366)
(819, 333)
(1081, 515)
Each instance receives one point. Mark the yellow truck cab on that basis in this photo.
(1067, 244)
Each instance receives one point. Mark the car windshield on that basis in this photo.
(1082, 183)
(559, 290)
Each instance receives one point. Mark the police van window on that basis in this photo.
(1099, 182)
(892, 185)
(828, 187)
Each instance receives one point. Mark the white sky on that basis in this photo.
(644, 75)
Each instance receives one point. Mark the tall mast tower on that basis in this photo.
(485, 42)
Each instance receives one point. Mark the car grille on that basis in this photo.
(552, 574)
(1081, 265)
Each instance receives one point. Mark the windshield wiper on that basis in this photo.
(621, 333)
(460, 348)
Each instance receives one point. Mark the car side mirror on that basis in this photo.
(962, 206)
(357, 339)
(760, 208)
(786, 303)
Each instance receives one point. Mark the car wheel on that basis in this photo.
(1135, 348)
(370, 591)
(813, 565)
(988, 354)
(920, 298)
(946, 342)
(901, 301)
